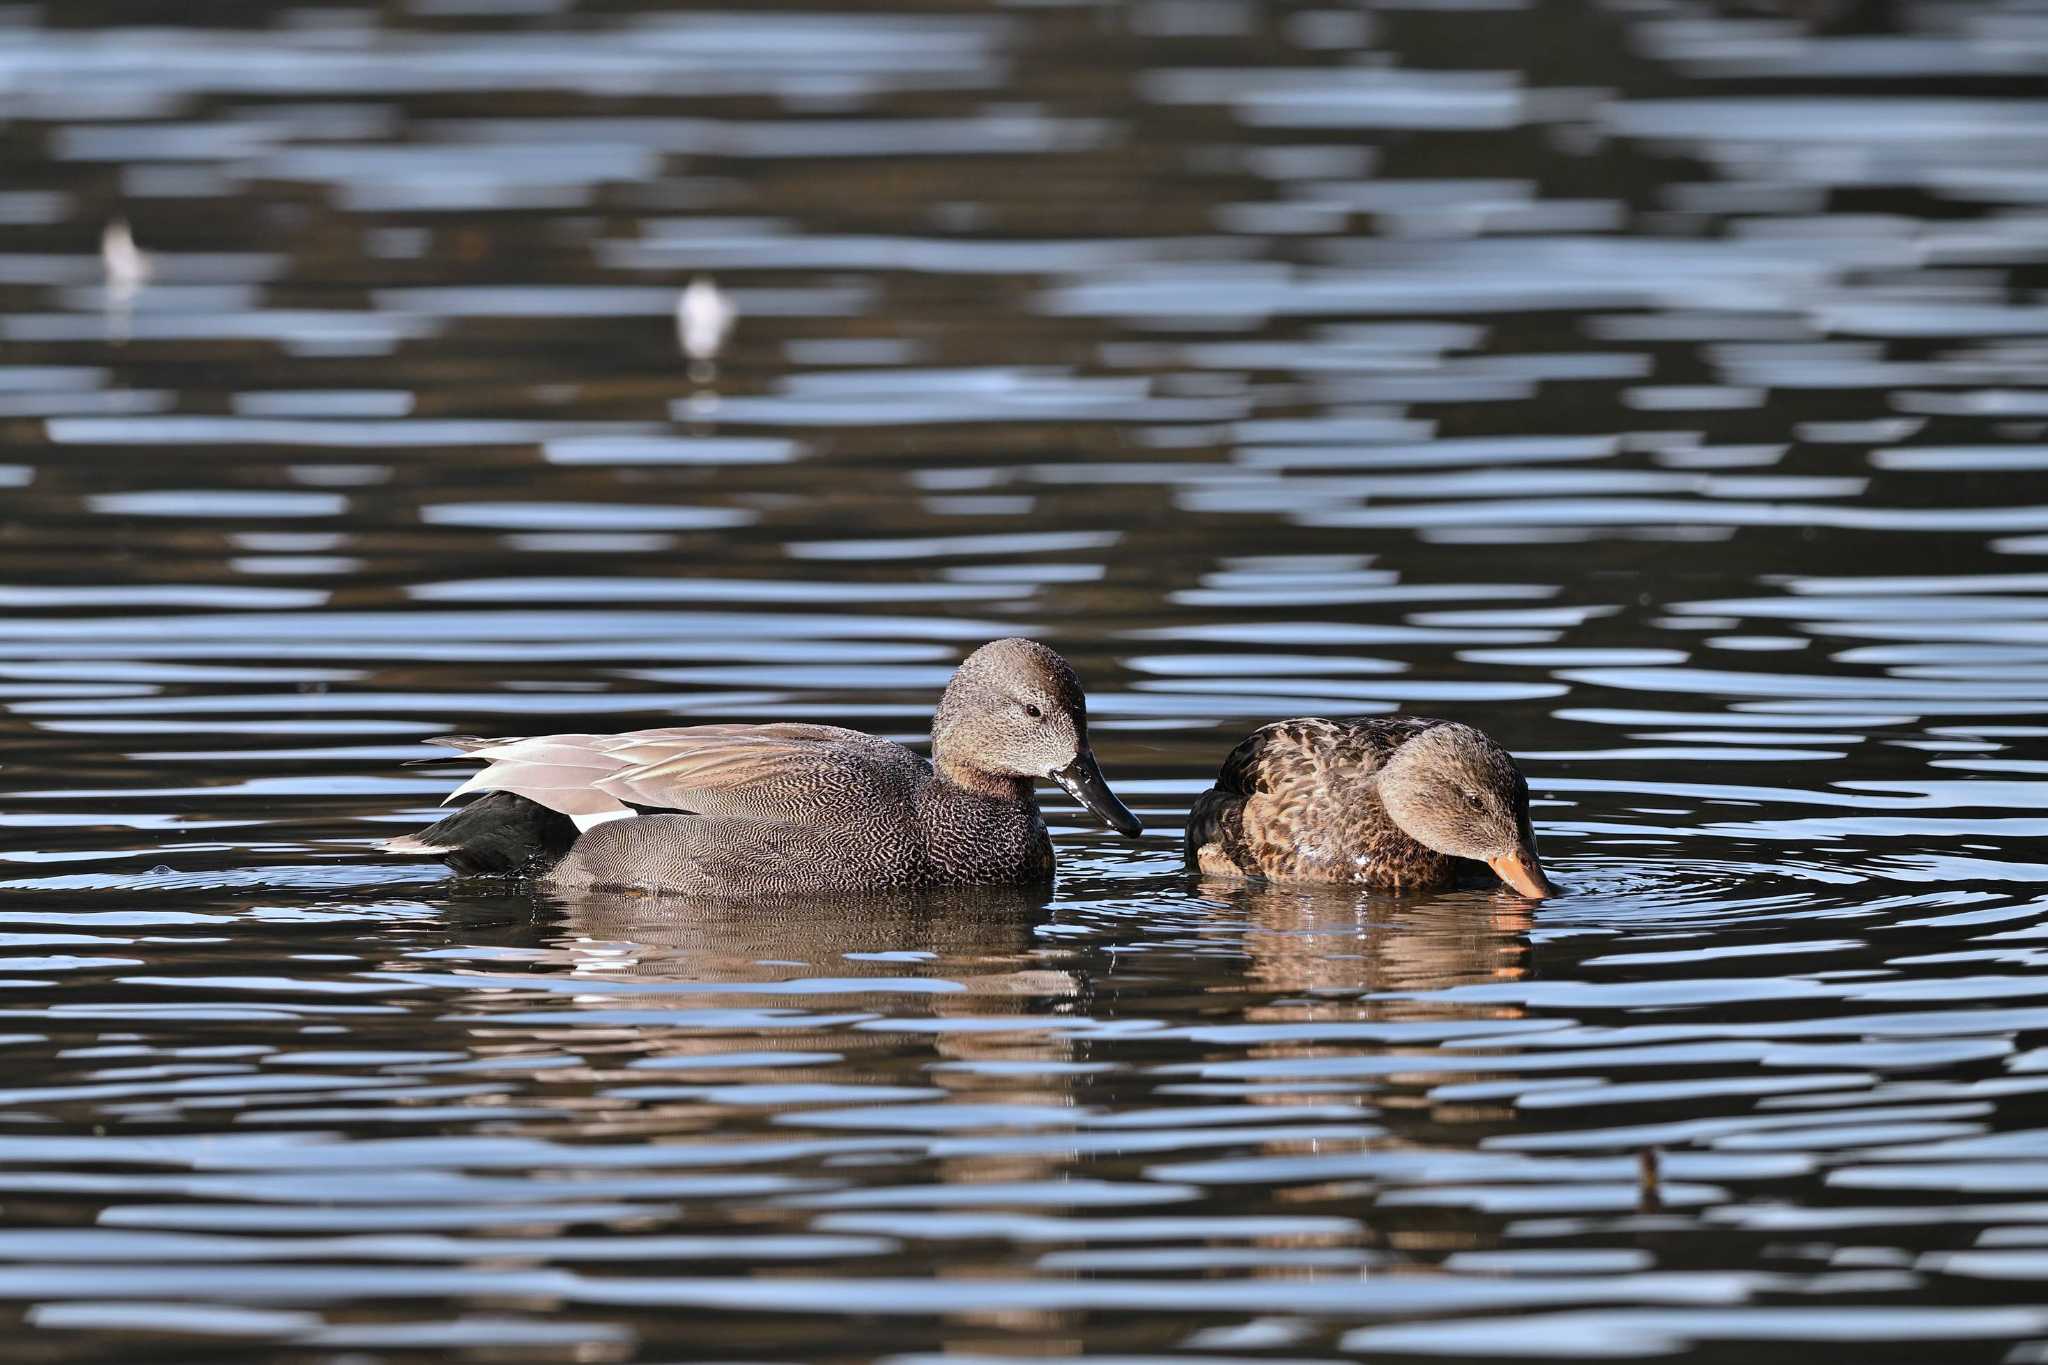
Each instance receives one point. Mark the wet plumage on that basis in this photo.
(1395, 803)
(754, 809)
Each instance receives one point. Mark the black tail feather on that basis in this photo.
(500, 834)
(1209, 822)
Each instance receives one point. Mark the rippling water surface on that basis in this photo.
(1659, 385)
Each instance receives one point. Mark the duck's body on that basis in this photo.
(1295, 802)
(748, 810)
(1394, 803)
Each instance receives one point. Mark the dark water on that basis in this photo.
(1662, 386)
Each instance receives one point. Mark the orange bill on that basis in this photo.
(1520, 870)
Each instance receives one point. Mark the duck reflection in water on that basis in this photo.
(957, 933)
(691, 982)
(1359, 977)
(1328, 939)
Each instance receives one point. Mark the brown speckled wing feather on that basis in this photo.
(1265, 815)
(767, 772)
(1287, 751)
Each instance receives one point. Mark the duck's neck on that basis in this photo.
(1379, 788)
(1376, 803)
(1014, 790)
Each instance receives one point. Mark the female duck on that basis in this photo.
(755, 809)
(1393, 803)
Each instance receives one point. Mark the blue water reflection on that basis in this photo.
(1658, 387)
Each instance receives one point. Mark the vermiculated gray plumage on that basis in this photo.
(758, 809)
(905, 829)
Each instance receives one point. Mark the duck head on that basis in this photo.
(1454, 790)
(1014, 714)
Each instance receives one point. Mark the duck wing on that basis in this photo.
(780, 772)
(1282, 806)
(1310, 748)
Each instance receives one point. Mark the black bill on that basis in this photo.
(1083, 781)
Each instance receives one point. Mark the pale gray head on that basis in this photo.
(1015, 712)
(1454, 790)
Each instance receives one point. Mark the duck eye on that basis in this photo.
(1031, 710)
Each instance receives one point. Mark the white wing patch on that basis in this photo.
(586, 823)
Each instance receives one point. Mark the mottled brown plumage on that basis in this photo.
(753, 809)
(1394, 803)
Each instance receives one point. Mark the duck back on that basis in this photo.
(1295, 802)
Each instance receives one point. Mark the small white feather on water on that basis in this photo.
(127, 269)
(127, 265)
(704, 319)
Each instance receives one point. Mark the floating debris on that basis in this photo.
(704, 320)
(127, 268)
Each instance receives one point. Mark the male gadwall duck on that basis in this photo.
(1393, 803)
(754, 809)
